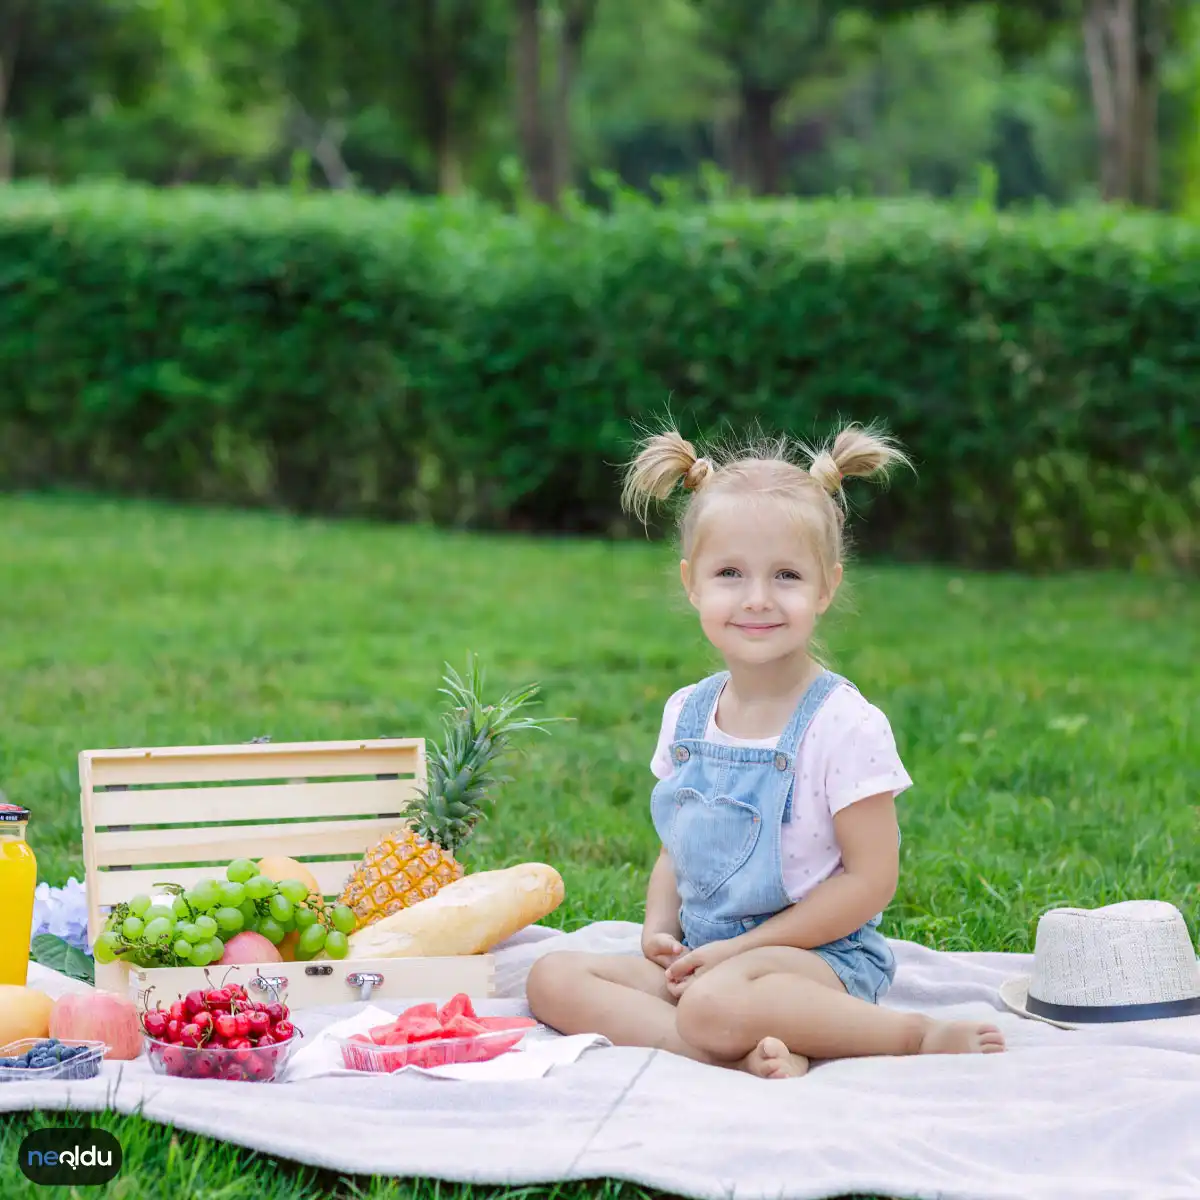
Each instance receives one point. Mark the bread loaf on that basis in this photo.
(468, 916)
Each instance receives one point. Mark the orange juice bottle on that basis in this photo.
(18, 881)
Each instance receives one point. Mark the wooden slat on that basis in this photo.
(114, 886)
(90, 872)
(205, 843)
(285, 760)
(186, 806)
(403, 979)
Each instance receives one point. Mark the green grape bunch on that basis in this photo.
(192, 930)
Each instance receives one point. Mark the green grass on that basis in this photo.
(1050, 725)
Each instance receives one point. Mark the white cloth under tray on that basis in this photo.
(1110, 1113)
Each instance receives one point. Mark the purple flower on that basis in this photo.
(62, 912)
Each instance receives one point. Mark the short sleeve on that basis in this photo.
(662, 764)
(863, 761)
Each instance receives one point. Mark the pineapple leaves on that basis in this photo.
(461, 771)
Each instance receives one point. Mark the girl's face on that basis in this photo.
(756, 582)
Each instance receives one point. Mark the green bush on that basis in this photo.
(445, 361)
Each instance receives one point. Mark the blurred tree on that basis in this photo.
(544, 125)
(1125, 43)
(768, 47)
(573, 18)
(437, 66)
(138, 86)
(59, 58)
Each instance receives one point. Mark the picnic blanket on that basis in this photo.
(1110, 1113)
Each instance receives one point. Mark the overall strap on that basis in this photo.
(789, 740)
(698, 708)
(818, 692)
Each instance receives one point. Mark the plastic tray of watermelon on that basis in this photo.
(428, 1036)
(50, 1058)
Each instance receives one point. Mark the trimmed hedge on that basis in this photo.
(441, 360)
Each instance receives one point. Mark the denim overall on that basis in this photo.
(720, 815)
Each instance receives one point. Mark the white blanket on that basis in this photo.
(1102, 1114)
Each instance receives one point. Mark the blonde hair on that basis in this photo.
(764, 470)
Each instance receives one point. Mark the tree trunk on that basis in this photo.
(10, 40)
(1123, 41)
(323, 142)
(577, 17)
(438, 101)
(761, 143)
(449, 166)
(531, 126)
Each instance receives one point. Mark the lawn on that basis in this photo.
(1051, 726)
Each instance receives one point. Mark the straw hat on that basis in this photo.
(1132, 961)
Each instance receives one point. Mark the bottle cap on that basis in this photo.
(13, 812)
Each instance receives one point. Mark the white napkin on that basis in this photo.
(530, 1059)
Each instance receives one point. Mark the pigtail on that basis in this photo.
(856, 451)
(663, 461)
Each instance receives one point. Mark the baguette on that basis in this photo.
(468, 916)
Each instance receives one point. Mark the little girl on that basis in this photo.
(774, 803)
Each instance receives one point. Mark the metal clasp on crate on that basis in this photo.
(365, 981)
(275, 984)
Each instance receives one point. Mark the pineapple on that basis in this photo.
(414, 863)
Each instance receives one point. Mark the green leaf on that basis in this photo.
(80, 965)
(50, 950)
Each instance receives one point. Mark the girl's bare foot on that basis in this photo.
(960, 1037)
(771, 1059)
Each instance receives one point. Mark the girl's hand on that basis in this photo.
(696, 962)
(661, 948)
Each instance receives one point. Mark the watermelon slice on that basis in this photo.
(456, 1006)
(463, 1027)
(497, 1023)
(418, 1028)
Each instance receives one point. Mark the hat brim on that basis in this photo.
(1014, 994)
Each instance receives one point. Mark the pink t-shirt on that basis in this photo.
(847, 754)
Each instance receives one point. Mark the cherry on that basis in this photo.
(191, 1035)
(225, 1025)
(258, 1070)
(277, 1012)
(204, 1019)
(265, 1039)
(243, 1024)
(155, 1024)
(283, 1030)
(219, 999)
(174, 1029)
(193, 1002)
(258, 1022)
(240, 1043)
(178, 1012)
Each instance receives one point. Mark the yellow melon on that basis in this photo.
(280, 869)
(287, 947)
(24, 1013)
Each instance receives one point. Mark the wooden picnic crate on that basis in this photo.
(179, 814)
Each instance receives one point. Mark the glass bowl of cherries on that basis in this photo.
(219, 1033)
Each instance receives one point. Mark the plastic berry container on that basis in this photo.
(358, 1055)
(78, 1066)
(254, 1064)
